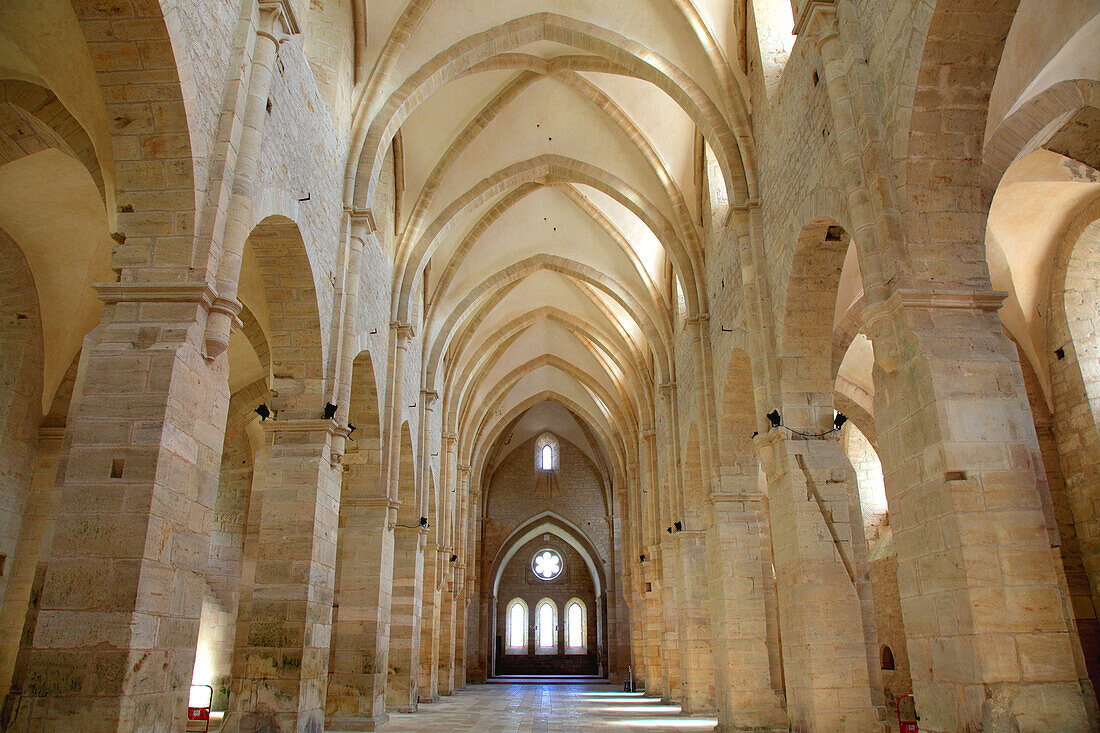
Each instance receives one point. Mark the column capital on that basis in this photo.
(404, 331)
(814, 14)
(429, 396)
(746, 206)
(449, 436)
(157, 292)
(464, 468)
(283, 19)
(361, 217)
(699, 319)
(303, 425)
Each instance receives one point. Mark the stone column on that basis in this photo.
(986, 630)
(280, 667)
(824, 656)
(745, 698)
(656, 681)
(276, 21)
(118, 617)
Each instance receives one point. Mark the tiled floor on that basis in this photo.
(547, 708)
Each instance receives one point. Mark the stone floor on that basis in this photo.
(546, 708)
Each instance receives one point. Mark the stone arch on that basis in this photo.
(585, 89)
(257, 339)
(870, 484)
(294, 327)
(962, 48)
(737, 421)
(625, 360)
(32, 118)
(1074, 361)
(145, 103)
(657, 329)
(1061, 522)
(226, 559)
(557, 525)
(513, 197)
(369, 147)
(806, 338)
(1033, 125)
(623, 354)
(542, 170)
(479, 417)
(410, 511)
(352, 682)
(476, 449)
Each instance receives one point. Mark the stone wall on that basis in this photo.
(518, 580)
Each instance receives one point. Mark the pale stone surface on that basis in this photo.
(295, 294)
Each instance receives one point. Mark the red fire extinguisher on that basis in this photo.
(907, 717)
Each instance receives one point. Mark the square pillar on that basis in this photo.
(825, 659)
(986, 627)
(693, 612)
(428, 685)
(446, 669)
(280, 668)
(656, 683)
(669, 624)
(358, 661)
(736, 582)
(118, 614)
(402, 686)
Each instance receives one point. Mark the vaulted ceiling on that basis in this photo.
(552, 175)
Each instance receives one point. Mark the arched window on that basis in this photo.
(546, 452)
(888, 658)
(576, 628)
(546, 627)
(516, 627)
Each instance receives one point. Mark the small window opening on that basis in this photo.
(888, 659)
(546, 452)
(574, 627)
(117, 465)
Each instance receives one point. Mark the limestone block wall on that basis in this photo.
(517, 580)
(203, 45)
(883, 561)
(301, 157)
(516, 494)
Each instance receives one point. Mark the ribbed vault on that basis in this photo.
(547, 212)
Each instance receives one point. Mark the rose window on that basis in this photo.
(547, 565)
